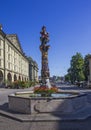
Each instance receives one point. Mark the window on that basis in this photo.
(0, 63)
(9, 57)
(9, 77)
(0, 52)
(1, 43)
(8, 48)
(9, 65)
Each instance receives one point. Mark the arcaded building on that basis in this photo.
(14, 65)
(33, 69)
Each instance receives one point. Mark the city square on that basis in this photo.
(45, 65)
(22, 121)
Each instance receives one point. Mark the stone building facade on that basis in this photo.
(14, 65)
(33, 69)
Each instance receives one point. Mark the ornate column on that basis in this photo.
(45, 74)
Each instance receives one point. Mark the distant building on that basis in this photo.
(14, 65)
(33, 70)
(54, 77)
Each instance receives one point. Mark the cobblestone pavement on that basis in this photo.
(10, 124)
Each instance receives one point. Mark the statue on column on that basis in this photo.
(45, 74)
(44, 36)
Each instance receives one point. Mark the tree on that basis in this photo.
(86, 66)
(76, 69)
(67, 77)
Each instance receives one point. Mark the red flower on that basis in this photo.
(45, 89)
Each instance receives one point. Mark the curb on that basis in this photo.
(9, 115)
(78, 116)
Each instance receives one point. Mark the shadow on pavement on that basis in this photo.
(4, 107)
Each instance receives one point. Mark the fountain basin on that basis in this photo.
(29, 103)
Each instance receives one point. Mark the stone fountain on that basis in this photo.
(62, 102)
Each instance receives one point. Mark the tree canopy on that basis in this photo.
(86, 66)
(75, 72)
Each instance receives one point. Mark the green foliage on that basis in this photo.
(67, 77)
(20, 84)
(75, 72)
(8, 83)
(86, 66)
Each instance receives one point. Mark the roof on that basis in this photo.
(15, 41)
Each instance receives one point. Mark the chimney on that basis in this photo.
(0, 26)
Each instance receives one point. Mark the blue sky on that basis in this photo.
(67, 21)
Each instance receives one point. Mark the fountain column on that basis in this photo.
(45, 74)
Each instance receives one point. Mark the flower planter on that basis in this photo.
(44, 91)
